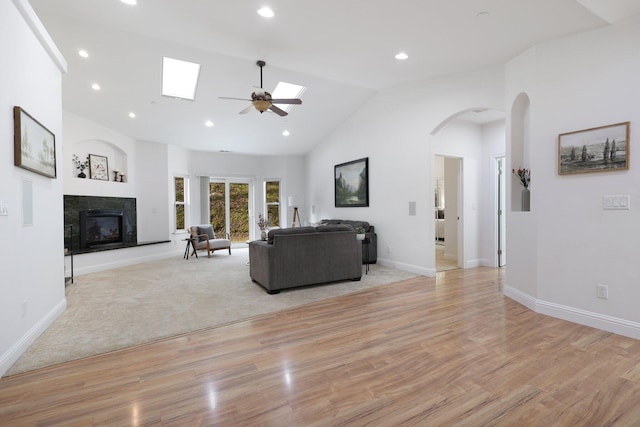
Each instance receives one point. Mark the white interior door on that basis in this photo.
(501, 204)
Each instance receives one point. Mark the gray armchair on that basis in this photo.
(204, 238)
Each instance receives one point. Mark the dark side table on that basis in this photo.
(190, 244)
(365, 247)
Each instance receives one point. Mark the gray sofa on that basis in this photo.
(293, 257)
(370, 233)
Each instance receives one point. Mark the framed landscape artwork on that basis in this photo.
(601, 149)
(352, 183)
(34, 145)
(98, 168)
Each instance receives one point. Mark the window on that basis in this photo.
(179, 190)
(272, 202)
(229, 208)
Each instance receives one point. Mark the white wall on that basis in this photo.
(393, 131)
(153, 207)
(574, 83)
(31, 256)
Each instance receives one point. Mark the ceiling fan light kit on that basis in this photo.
(261, 106)
(262, 100)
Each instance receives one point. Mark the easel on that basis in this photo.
(296, 215)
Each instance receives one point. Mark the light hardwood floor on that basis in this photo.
(427, 352)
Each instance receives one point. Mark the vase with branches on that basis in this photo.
(262, 225)
(524, 176)
(81, 165)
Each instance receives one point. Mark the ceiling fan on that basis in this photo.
(261, 99)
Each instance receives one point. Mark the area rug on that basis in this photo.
(141, 303)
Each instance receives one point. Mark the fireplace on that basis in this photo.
(101, 228)
(100, 223)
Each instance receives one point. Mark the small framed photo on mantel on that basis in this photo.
(98, 168)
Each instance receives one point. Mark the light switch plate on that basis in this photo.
(4, 209)
(622, 202)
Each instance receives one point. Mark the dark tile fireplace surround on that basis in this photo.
(94, 224)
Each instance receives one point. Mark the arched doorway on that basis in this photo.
(469, 143)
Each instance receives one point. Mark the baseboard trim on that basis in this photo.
(582, 317)
(429, 272)
(473, 263)
(12, 355)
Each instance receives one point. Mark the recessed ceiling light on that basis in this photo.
(208, 123)
(265, 12)
(286, 133)
(179, 78)
(95, 86)
(130, 2)
(132, 115)
(402, 56)
(83, 53)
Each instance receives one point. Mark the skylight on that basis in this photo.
(179, 78)
(266, 12)
(285, 91)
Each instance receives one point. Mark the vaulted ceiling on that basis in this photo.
(342, 51)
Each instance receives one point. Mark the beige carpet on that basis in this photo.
(141, 303)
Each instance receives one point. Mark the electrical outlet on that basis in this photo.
(602, 291)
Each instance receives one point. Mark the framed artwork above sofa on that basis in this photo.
(351, 180)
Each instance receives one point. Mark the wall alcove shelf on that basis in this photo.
(115, 159)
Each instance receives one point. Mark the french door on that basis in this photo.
(229, 207)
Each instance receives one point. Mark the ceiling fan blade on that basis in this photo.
(278, 111)
(235, 99)
(246, 110)
(295, 101)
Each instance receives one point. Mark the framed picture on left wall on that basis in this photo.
(98, 167)
(33, 144)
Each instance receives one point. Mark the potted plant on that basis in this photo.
(360, 233)
(262, 225)
(81, 165)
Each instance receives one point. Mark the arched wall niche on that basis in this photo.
(519, 144)
(117, 159)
